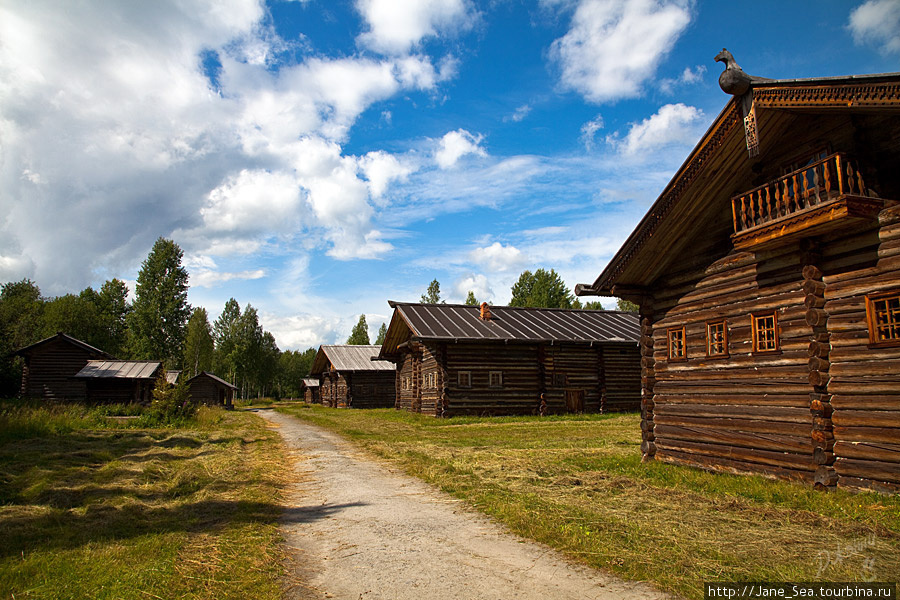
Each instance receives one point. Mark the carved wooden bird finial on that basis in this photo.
(732, 80)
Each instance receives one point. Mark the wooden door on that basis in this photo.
(575, 401)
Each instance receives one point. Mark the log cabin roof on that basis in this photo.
(460, 322)
(348, 358)
(311, 383)
(120, 369)
(65, 338)
(208, 375)
(719, 167)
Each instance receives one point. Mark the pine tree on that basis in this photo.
(198, 344)
(382, 331)
(471, 300)
(541, 289)
(359, 336)
(626, 306)
(433, 294)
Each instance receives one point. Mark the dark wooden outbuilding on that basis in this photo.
(500, 360)
(50, 367)
(309, 388)
(208, 389)
(122, 381)
(768, 276)
(349, 377)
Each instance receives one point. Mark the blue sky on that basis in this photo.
(317, 158)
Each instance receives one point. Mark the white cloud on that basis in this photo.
(688, 77)
(672, 123)
(456, 144)
(589, 130)
(208, 278)
(614, 46)
(497, 257)
(381, 169)
(253, 202)
(476, 283)
(519, 114)
(396, 26)
(877, 22)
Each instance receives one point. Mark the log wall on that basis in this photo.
(862, 396)
(49, 369)
(373, 389)
(621, 381)
(210, 392)
(333, 390)
(744, 411)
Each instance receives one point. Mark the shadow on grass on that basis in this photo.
(65, 491)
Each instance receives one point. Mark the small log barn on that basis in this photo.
(51, 365)
(208, 389)
(349, 377)
(310, 389)
(500, 360)
(122, 381)
(768, 279)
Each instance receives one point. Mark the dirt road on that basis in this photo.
(361, 529)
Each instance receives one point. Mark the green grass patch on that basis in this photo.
(93, 505)
(577, 484)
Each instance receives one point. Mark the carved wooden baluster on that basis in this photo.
(816, 182)
(862, 184)
(798, 197)
(827, 174)
(734, 215)
(769, 208)
(779, 200)
(837, 171)
(744, 215)
(787, 196)
(850, 178)
(805, 177)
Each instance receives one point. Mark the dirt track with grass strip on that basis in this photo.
(359, 528)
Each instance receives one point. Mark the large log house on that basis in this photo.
(499, 360)
(768, 277)
(349, 377)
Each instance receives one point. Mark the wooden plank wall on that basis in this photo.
(49, 370)
(372, 389)
(864, 383)
(621, 365)
(744, 412)
(206, 391)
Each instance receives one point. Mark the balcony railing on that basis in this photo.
(805, 189)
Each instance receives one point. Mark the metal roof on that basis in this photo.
(460, 322)
(120, 369)
(349, 358)
(172, 376)
(311, 383)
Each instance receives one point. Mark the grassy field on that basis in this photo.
(100, 507)
(577, 483)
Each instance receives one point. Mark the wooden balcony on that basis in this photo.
(821, 197)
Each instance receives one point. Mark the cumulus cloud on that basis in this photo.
(519, 114)
(456, 144)
(689, 76)
(396, 26)
(672, 123)
(498, 257)
(381, 169)
(877, 22)
(614, 46)
(476, 283)
(209, 278)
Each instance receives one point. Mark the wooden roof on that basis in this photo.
(348, 358)
(208, 375)
(311, 383)
(65, 338)
(120, 369)
(719, 167)
(460, 322)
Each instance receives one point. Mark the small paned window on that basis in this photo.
(765, 333)
(883, 315)
(677, 350)
(717, 338)
(559, 379)
(464, 379)
(496, 379)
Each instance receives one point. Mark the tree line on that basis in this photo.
(159, 325)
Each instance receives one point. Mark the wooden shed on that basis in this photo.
(50, 367)
(457, 359)
(309, 388)
(208, 389)
(122, 381)
(349, 377)
(768, 277)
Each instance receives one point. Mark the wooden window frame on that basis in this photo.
(491, 375)
(683, 355)
(459, 379)
(776, 332)
(871, 314)
(709, 346)
(560, 380)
